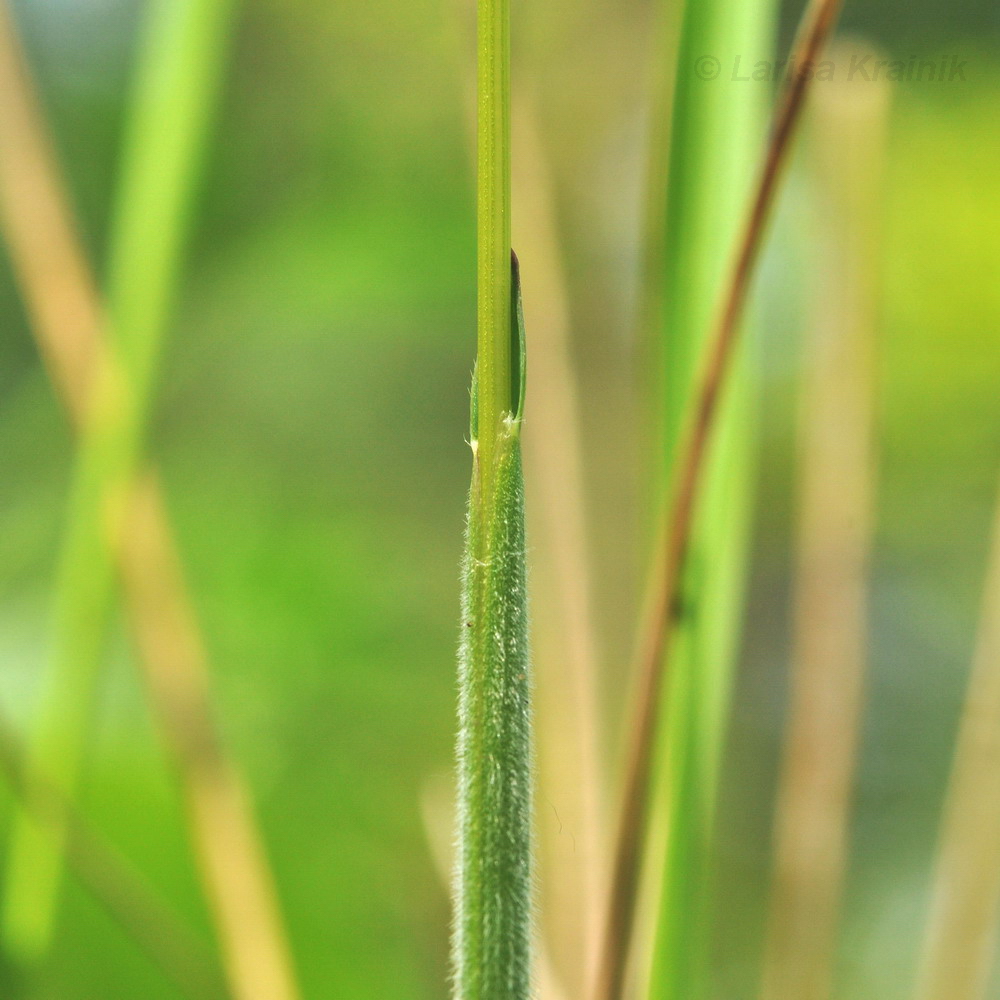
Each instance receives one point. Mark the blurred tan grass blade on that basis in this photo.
(56, 282)
(61, 297)
(571, 785)
(112, 881)
(961, 935)
(833, 541)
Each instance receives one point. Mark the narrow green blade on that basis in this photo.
(713, 141)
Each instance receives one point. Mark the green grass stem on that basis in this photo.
(714, 139)
(493, 922)
(493, 231)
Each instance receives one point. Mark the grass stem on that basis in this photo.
(494, 371)
(492, 934)
(713, 142)
(654, 649)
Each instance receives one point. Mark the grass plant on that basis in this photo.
(713, 143)
(653, 944)
(65, 311)
(175, 94)
(676, 970)
(493, 923)
(492, 935)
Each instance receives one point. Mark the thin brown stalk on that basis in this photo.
(114, 883)
(834, 542)
(654, 649)
(67, 320)
(961, 936)
(567, 718)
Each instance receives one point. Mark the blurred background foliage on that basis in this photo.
(310, 427)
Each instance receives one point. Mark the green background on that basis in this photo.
(310, 426)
